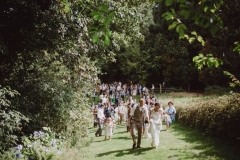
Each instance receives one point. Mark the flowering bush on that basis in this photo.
(41, 145)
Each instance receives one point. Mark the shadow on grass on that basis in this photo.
(120, 153)
(206, 145)
(120, 132)
(121, 138)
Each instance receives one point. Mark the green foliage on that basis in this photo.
(237, 48)
(203, 13)
(215, 117)
(8, 155)
(235, 82)
(195, 37)
(216, 90)
(41, 145)
(213, 18)
(101, 27)
(51, 90)
(207, 60)
(11, 120)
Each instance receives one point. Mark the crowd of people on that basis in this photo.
(117, 105)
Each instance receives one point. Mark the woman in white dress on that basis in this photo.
(155, 124)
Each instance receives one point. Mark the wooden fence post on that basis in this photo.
(160, 88)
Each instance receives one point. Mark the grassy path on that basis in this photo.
(176, 144)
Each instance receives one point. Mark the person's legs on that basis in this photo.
(121, 118)
(139, 130)
(143, 129)
(100, 127)
(133, 126)
(168, 124)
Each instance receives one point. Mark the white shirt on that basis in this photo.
(104, 100)
(100, 113)
(101, 96)
(118, 88)
(144, 107)
(121, 109)
(103, 87)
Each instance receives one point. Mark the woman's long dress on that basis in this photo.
(155, 127)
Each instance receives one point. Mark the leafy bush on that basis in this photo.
(216, 90)
(41, 145)
(218, 117)
(10, 124)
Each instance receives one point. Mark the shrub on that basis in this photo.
(216, 90)
(218, 117)
(10, 124)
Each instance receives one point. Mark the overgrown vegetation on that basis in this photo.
(52, 53)
(11, 119)
(216, 116)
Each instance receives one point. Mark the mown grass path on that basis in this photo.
(176, 144)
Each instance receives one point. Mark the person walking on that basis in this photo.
(152, 89)
(95, 119)
(170, 112)
(108, 111)
(121, 111)
(155, 124)
(108, 128)
(101, 118)
(136, 121)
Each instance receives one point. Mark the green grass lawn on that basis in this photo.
(179, 143)
(176, 144)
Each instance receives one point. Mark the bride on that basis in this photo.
(155, 124)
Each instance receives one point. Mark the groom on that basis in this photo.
(136, 120)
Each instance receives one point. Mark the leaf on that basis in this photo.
(206, 8)
(191, 40)
(108, 33)
(93, 29)
(194, 33)
(185, 13)
(95, 13)
(173, 25)
(95, 38)
(200, 39)
(183, 26)
(107, 40)
(167, 15)
(168, 2)
(213, 29)
(106, 22)
(104, 8)
(66, 9)
(181, 32)
(111, 15)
